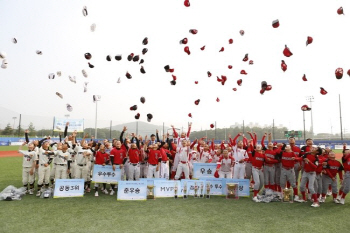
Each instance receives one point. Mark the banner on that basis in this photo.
(74, 124)
(4, 143)
(105, 174)
(69, 188)
(166, 188)
(243, 186)
(204, 170)
(190, 186)
(132, 190)
(216, 187)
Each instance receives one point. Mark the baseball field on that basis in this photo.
(106, 214)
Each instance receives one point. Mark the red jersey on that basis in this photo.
(346, 162)
(271, 154)
(250, 154)
(164, 153)
(311, 166)
(119, 155)
(101, 158)
(153, 156)
(258, 159)
(333, 167)
(288, 159)
(134, 155)
(319, 168)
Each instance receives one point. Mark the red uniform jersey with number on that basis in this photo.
(271, 154)
(333, 167)
(346, 162)
(119, 155)
(321, 159)
(101, 158)
(258, 159)
(164, 153)
(310, 166)
(153, 156)
(288, 159)
(134, 155)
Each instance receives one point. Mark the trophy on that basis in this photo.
(185, 189)
(175, 190)
(208, 190)
(232, 190)
(201, 195)
(287, 195)
(150, 194)
(195, 189)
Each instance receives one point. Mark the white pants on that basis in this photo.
(134, 172)
(182, 167)
(72, 169)
(239, 171)
(126, 169)
(61, 172)
(52, 171)
(81, 172)
(44, 174)
(227, 175)
(143, 170)
(26, 177)
(164, 170)
(176, 162)
(152, 171)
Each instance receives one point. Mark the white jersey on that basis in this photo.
(226, 164)
(44, 155)
(183, 153)
(204, 156)
(82, 156)
(28, 157)
(239, 154)
(179, 140)
(62, 157)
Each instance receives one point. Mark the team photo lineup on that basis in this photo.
(311, 171)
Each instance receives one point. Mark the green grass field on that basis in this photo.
(106, 214)
(9, 148)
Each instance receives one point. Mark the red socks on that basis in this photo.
(314, 196)
(303, 194)
(343, 195)
(295, 190)
(334, 195)
(256, 192)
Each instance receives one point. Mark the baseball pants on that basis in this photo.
(278, 168)
(73, 168)
(308, 177)
(176, 162)
(52, 172)
(346, 183)
(44, 175)
(152, 171)
(88, 174)
(126, 169)
(81, 172)
(143, 170)
(297, 169)
(287, 175)
(182, 167)
(164, 170)
(318, 183)
(248, 171)
(238, 171)
(258, 177)
(227, 175)
(61, 172)
(26, 177)
(134, 172)
(326, 181)
(269, 174)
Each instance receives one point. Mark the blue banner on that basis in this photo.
(243, 186)
(69, 188)
(4, 143)
(191, 187)
(204, 170)
(166, 188)
(132, 190)
(105, 174)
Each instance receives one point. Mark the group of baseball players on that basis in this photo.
(275, 167)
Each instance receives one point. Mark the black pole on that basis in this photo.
(304, 123)
(273, 129)
(110, 130)
(341, 123)
(19, 124)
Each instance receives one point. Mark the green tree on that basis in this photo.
(8, 130)
(19, 131)
(31, 128)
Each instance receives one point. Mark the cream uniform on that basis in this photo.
(62, 159)
(82, 158)
(27, 164)
(239, 168)
(183, 166)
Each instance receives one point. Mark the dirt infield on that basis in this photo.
(16, 154)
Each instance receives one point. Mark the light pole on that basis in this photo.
(310, 99)
(13, 128)
(96, 98)
(305, 108)
(341, 121)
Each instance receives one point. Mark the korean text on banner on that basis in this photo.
(166, 188)
(132, 190)
(105, 174)
(69, 188)
(216, 187)
(204, 170)
(74, 124)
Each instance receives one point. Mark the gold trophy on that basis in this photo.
(232, 192)
(185, 189)
(150, 194)
(287, 195)
(175, 190)
(208, 190)
(201, 195)
(195, 189)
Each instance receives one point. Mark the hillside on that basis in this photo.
(143, 128)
